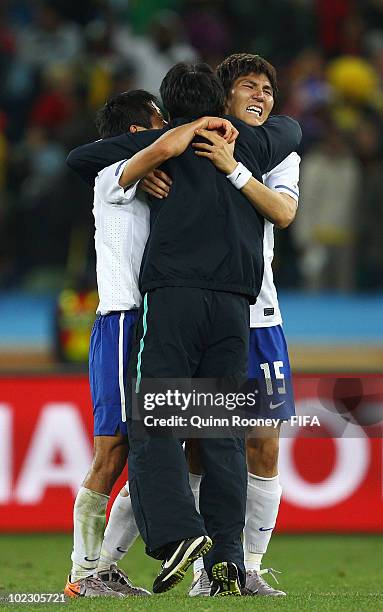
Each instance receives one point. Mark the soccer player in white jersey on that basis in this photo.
(250, 85)
(122, 229)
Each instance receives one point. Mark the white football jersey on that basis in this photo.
(122, 222)
(283, 178)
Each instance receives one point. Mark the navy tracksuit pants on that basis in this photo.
(190, 333)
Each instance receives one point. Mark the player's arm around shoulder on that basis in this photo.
(276, 200)
(171, 144)
(89, 159)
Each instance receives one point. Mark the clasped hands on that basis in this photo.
(218, 146)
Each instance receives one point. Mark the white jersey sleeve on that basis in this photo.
(107, 188)
(284, 178)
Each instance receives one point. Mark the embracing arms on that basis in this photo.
(271, 143)
(277, 201)
(145, 149)
(150, 148)
(278, 207)
(172, 144)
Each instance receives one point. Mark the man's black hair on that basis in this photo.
(192, 90)
(240, 65)
(123, 110)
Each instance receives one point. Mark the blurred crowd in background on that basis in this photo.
(60, 60)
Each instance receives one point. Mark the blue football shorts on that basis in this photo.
(269, 368)
(109, 354)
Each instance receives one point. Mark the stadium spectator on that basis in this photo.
(37, 165)
(325, 225)
(49, 38)
(368, 147)
(308, 94)
(156, 53)
(54, 106)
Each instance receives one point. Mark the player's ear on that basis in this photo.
(134, 128)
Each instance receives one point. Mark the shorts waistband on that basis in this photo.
(116, 312)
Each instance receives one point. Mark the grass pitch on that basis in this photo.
(320, 573)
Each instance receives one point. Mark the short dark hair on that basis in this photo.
(242, 64)
(123, 110)
(192, 90)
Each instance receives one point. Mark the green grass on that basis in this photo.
(324, 572)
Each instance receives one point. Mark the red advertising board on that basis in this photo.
(329, 483)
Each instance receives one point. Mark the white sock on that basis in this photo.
(263, 497)
(120, 532)
(195, 481)
(89, 523)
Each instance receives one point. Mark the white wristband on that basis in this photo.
(240, 176)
